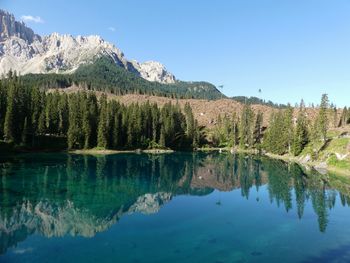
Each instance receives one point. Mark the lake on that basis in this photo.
(181, 207)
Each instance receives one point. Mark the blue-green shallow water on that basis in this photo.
(169, 208)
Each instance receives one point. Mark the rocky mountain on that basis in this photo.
(23, 51)
(10, 28)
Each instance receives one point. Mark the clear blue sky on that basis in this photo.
(289, 49)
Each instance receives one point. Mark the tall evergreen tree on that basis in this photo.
(321, 122)
(246, 127)
(257, 135)
(301, 134)
(344, 119)
(288, 127)
(102, 134)
(275, 140)
(10, 116)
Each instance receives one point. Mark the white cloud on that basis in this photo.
(32, 19)
(111, 29)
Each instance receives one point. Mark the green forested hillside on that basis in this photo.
(80, 120)
(105, 75)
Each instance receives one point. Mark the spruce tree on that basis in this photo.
(275, 141)
(86, 124)
(9, 126)
(75, 137)
(162, 137)
(335, 117)
(344, 117)
(321, 122)
(258, 128)
(24, 138)
(301, 134)
(288, 127)
(245, 128)
(189, 122)
(234, 130)
(102, 133)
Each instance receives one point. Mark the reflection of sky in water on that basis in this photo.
(178, 207)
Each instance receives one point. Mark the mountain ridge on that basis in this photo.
(23, 51)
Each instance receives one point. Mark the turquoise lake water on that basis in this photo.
(179, 207)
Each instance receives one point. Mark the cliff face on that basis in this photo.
(9, 27)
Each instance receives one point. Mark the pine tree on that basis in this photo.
(162, 137)
(301, 134)
(288, 128)
(344, 117)
(196, 135)
(25, 132)
(258, 128)
(275, 141)
(75, 134)
(321, 123)
(245, 128)
(102, 124)
(335, 117)
(190, 123)
(116, 131)
(42, 123)
(63, 114)
(87, 129)
(234, 130)
(9, 126)
(155, 123)
(3, 106)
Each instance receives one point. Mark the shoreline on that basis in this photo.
(111, 152)
(320, 167)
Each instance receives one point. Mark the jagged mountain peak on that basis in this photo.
(23, 51)
(153, 70)
(9, 27)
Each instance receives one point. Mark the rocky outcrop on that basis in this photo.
(23, 51)
(154, 71)
(9, 27)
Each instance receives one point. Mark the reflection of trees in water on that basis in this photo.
(283, 178)
(287, 184)
(85, 194)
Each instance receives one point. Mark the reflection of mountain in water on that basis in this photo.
(56, 195)
(150, 203)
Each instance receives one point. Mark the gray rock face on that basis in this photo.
(154, 71)
(23, 51)
(9, 27)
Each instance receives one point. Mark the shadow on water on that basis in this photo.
(58, 194)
